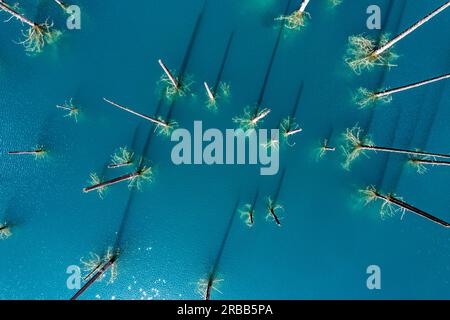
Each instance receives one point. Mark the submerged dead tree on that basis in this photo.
(134, 179)
(357, 144)
(72, 111)
(335, 3)
(174, 86)
(365, 53)
(220, 91)
(97, 268)
(5, 231)
(247, 212)
(366, 98)
(163, 127)
(297, 19)
(251, 118)
(272, 211)
(273, 207)
(122, 158)
(62, 5)
(422, 164)
(289, 128)
(210, 283)
(324, 149)
(392, 205)
(206, 286)
(38, 35)
(214, 96)
(38, 153)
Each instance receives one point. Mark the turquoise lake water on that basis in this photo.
(171, 233)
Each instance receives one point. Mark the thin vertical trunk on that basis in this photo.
(209, 92)
(208, 289)
(277, 221)
(169, 74)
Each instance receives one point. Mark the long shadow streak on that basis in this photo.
(280, 184)
(224, 61)
(384, 73)
(297, 100)
(385, 160)
(187, 56)
(272, 59)
(224, 241)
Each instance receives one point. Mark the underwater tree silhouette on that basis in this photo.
(366, 98)
(273, 207)
(220, 90)
(182, 75)
(364, 53)
(38, 35)
(99, 266)
(252, 116)
(392, 204)
(247, 211)
(298, 19)
(357, 144)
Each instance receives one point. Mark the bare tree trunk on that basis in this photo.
(290, 133)
(92, 272)
(156, 121)
(261, 116)
(277, 221)
(411, 29)
(431, 162)
(5, 7)
(31, 152)
(94, 278)
(111, 182)
(303, 6)
(61, 4)
(169, 74)
(119, 165)
(209, 92)
(411, 86)
(209, 288)
(402, 151)
(412, 209)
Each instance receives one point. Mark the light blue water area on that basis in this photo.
(170, 233)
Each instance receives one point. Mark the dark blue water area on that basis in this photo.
(171, 232)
